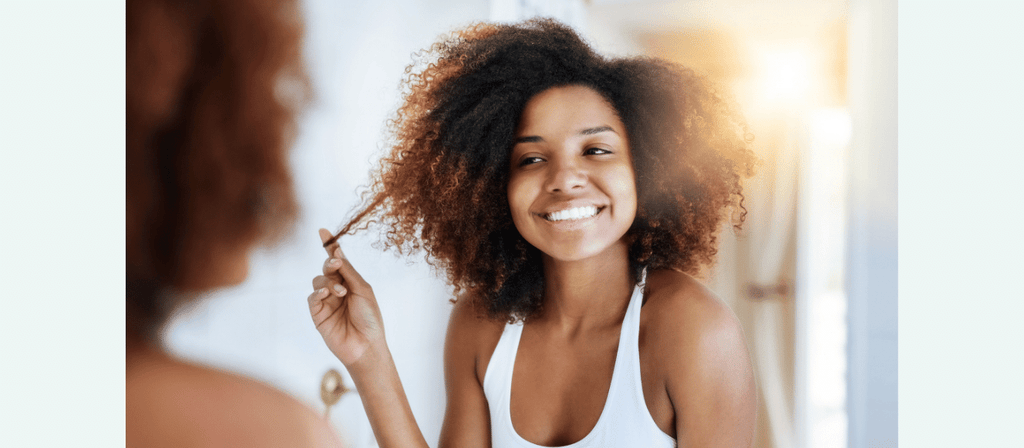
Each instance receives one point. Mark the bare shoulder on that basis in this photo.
(701, 358)
(173, 403)
(679, 308)
(468, 347)
(471, 334)
(468, 314)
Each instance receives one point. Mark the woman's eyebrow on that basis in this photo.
(587, 131)
(527, 139)
(598, 129)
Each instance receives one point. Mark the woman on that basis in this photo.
(570, 198)
(207, 178)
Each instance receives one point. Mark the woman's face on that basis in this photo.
(571, 188)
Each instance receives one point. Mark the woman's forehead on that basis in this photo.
(570, 109)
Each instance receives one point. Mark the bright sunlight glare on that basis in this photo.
(785, 75)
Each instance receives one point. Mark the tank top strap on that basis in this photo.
(625, 419)
(497, 383)
(622, 392)
(626, 395)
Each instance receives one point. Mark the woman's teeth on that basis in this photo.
(572, 213)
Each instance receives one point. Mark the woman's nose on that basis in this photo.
(565, 176)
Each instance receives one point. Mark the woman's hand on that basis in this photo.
(345, 310)
(347, 316)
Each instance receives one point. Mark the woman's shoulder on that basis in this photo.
(174, 403)
(469, 318)
(683, 317)
(696, 350)
(472, 334)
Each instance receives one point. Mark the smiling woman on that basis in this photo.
(569, 198)
(443, 187)
(571, 188)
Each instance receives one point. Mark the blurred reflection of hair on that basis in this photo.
(207, 131)
(211, 95)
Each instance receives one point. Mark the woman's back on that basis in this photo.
(173, 403)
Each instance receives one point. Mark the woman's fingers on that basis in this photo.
(316, 299)
(323, 305)
(331, 265)
(337, 262)
(320, 281)
(325, 236)
(332, 285)
(348, 272)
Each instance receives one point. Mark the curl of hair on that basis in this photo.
(442, 188)
(212, 90)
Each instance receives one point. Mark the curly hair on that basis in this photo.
(442, 189)
(212, 89)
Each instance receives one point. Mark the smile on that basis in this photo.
(572, 213)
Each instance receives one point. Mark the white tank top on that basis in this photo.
(625, 420)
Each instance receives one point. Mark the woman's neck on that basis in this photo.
(589, 293)
(139, 348)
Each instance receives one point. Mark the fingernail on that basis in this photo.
(334, 262)
(339, 289)
(321, 291)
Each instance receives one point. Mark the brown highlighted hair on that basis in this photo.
(442, 189)
(212, 89)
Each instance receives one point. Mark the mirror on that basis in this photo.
(787, 65)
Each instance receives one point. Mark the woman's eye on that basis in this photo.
(530, 161)
(596, 151)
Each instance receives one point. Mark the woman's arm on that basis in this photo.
(350, 322)
(467, 418)
(708, 376)
(346, 314)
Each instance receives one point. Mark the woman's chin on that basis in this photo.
(217, 274)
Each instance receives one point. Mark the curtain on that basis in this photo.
(755, 276)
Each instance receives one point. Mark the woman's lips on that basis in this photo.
(572, 218)
(572, 213)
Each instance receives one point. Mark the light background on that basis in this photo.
(61, 235)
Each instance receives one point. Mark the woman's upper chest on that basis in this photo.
(561, 386)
